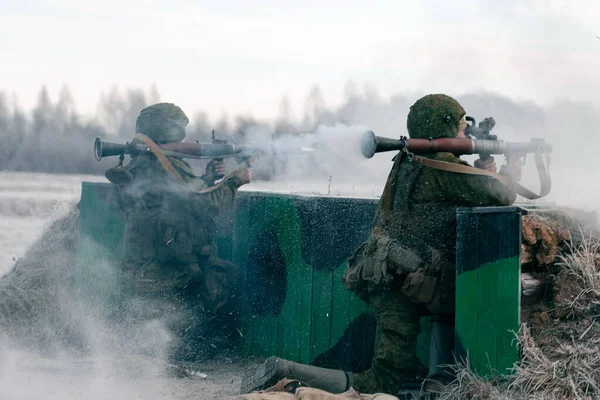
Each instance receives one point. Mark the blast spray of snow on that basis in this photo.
(57, 342)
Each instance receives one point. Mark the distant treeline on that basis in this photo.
(54, 138)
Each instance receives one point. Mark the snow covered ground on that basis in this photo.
(28, 202)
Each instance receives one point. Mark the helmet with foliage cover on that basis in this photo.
(162, 122)
(434, 116)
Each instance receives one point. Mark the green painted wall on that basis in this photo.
(292, 250)
(97, 276)
(488, 288)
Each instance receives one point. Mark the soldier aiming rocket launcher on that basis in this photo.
(218, 149)
(479, 140)
(196, 150)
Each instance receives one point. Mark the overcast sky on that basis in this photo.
(243, 56)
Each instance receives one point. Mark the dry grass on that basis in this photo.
(578, 280)
(581, 262)
(561, 358)
(470, 386)
(573, 371)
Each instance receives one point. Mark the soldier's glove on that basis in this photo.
(488, 165)
(215, 170)
(513, 170)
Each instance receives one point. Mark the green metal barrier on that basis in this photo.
(488, 288)
(99, 247)
(292, 251)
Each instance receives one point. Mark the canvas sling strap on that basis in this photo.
(542, 169)
(172, 172)
(162, 159)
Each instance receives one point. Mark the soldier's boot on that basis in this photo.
(441, 354)
(267, 374)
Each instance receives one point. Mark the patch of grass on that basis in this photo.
(561, 359)
(581, 262)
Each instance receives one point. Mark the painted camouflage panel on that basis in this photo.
(488, 288)
(291, 251)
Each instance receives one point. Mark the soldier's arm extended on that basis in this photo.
(473, 190)
(218, 197)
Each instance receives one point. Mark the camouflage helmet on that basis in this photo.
(162, 122)
(435, 116)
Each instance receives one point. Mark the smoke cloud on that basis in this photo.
(54, 138)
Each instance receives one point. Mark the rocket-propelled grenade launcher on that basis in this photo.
(218, 149)
(179, 149)
(372, 144)
(478, 140)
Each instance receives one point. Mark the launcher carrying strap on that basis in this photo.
(542, 168)
(173, 173)
(162, 159)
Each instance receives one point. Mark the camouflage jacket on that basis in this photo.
(419, 204)
(168, 222)
(415, 223)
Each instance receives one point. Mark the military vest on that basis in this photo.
(162, 222)
(413, 212)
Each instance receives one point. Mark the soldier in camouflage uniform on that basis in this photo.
(406, 268)
(171, 268)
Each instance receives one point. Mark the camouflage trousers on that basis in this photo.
(395, 363)
(195, 304)
(210, 282)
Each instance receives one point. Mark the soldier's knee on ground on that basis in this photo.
(219, 281)
(397, 346)
(395, 364)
